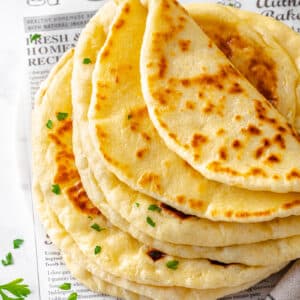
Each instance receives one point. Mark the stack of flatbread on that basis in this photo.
(166, 150)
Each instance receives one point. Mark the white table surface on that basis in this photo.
(14, 223)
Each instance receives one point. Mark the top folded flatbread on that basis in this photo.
(208, 113)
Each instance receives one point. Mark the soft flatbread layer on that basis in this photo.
(232, 134)
(121, 255)
(125, 139)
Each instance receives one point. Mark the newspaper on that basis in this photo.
(59, 23)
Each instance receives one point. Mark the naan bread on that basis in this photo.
(128, 131)
(230, 133)
(174, 231)
(121, 255)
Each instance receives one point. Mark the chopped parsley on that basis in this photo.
(172, 264)
(16, 289)
(49, 124)
(150, 222)
(129, 117)
(73, 296)
(56, 189)
(137, 204)
(35, 37)
(87, 61)
(61, 116)
(90, 218)
(97, 250)
(8, 260)
(154, 207)
(18, 243)
(65, 286)
(96, 227)
(231, 4)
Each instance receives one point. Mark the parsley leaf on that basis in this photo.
(61, 116)
(35, 37)
(17, 243)
(172, 264)
(16, 289)
(49, 124)
(150, 222)
(8, 260)
(87, 61)
(96, 227)
(65, 286)
(129, 117)
(154, 207)
(56, 189)
(97, 250)
(137, 204)
(73, 296)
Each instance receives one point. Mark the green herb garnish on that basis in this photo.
(129, 117)
(172, 264)
(49, 124)
(150, 222)
(87, 61)
(154, 207)
(35, 37)
(97, 250)
(56, 189)
(90, 218)
(61, 116)
(18, 243)
(65, 286)
(96, 227)
(73, 296)
(8, 260)
(16, 289)
(137, 204)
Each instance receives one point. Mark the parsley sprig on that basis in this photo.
(8, 260)
(15, 288)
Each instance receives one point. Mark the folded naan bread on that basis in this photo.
(127, 142)
(58, 185)
(215, 119)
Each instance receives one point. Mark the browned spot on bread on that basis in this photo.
(209, 107)
(223, 153)
(146, 136)
(273, 158)
(281, 129)
(140, 153)
(171, 210)
(80, 200)
(244, 214)
(180, 199)
(162, 67)
(228, 213)
(134, 126)
(195, 204)
(236, 144)
(276, 177)
(279, 140)
(251, 129)
(200, 94)
(257, 172)
(100, 132)
(238, 117)
(221, 131)
(292, 204)
(294, 174)
(105, 53)
(55, 139)
(155, 254)
(218, 168)
(235, 88)
(190, 105)
(172, 135)
(196, 157)
(65, 127)
(198, 139)
(185, 82)
(126, 8)
(184, 45)
(139, 113)
(119, 23)
(150, 179)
